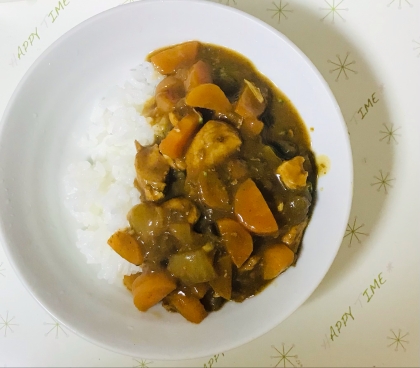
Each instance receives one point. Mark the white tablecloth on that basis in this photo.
(366, 311)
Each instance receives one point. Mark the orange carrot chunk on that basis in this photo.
(199, 290)
(208, 96)
(252, 210)
(188, 306)
(199, 73)
(252, 126)
(236, 239)
(126, 246)
(129, 279)
(149, 289)
(276, 259)
(177, 140)
(167, 61)
(251, 102)
(222, 284)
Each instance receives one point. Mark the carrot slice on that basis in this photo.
(126, 246)
(167, 61)
(129, 279)
(237, 240)
(252, 210)
(199, 73)
(252, 126)
(251, 102)
(222, 284)
(199, 290)
(208, 96)
(176, 141)
(188, 306)
(276, 259)
(149, 289)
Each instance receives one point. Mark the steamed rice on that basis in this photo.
(99, 190)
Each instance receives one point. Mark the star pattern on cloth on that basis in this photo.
(142, 363)
(333, 10)
(389, 134)
(285, 357)
(55, 328)
(398, 340)
(227, 2)
(342, 66)
(382, 182)
(353, 231)
(280, 10)
(6, 324)
(400, 3)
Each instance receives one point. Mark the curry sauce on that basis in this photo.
(227, 189)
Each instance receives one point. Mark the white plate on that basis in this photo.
(54, 99)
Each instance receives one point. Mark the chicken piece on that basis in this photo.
(151, 169)
(168, 92)
(292, 173)
(294, 236)
(184, 208)
(213, 144)
(149, 108)
(177, 164)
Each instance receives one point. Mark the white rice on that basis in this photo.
(99, 190)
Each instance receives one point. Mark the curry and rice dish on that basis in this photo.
(226, 189)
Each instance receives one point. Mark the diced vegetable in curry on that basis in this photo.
(227, 190)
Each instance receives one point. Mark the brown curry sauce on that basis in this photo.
(175, 227)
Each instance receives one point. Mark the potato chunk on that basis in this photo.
(182, 208)
(192, 267)
(212, 191)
